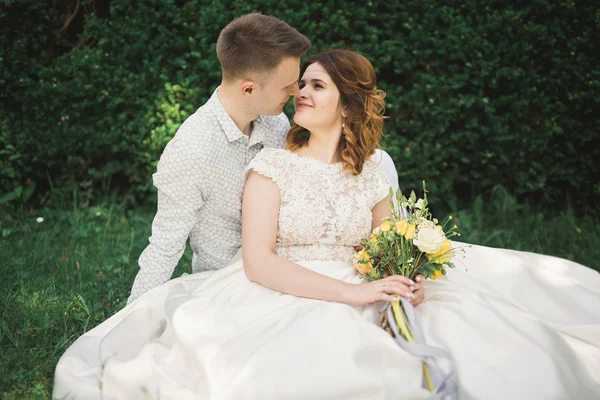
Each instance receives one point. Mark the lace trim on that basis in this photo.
(316, 252)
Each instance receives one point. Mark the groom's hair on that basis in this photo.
(257, 43)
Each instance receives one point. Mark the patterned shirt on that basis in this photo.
(200, 180)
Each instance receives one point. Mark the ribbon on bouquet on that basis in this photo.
(441, 382)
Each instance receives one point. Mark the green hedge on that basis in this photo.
(479, 92)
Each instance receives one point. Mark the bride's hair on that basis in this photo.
(364, 103)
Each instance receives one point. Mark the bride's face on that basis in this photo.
(317, 104)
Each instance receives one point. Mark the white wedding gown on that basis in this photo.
(518, 325)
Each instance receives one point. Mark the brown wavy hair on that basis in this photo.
(257, 43)
(355, 79)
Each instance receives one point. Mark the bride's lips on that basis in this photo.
(303, 105)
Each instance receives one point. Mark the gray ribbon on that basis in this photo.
(445, 386)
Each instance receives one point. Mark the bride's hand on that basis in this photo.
(417, 290)
(387, 289)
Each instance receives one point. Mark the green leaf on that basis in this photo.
(11, 196)
(28, 191)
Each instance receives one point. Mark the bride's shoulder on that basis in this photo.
(271, 163)
(272, 152)
(271, 155)
(374, 169)
(268, 159)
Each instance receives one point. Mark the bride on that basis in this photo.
(290, 320)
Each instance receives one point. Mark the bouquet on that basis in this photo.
(409, 242)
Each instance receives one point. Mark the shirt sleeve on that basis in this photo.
(180, 198)
(383, 159)
(379, 185)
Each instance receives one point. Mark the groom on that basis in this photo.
(200, 173)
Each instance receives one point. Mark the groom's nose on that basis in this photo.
(295, 91)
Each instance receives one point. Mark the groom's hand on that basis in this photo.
(418, 291)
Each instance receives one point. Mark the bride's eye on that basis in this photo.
(318, 86)
(301, 85)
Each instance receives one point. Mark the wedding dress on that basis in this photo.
(518, 325)
(216, 335)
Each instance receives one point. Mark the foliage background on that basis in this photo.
(480, 93)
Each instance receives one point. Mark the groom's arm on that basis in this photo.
(178, 180)
(383, 159)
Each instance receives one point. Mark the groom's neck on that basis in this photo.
(236, 107)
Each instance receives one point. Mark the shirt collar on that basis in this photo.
(232, 132)
(258, 131)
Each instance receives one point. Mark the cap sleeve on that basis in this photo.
(270, 163)
(378, 183)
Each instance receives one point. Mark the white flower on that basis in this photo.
(419, 204)
(39, 220)
(425, 223)
(429, 240)
(376, 231)
(98, 213)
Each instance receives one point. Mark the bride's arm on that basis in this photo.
(380, 211)
(260, 214)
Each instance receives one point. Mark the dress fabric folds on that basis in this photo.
(518, 325)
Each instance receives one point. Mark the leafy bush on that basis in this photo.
(479, 93)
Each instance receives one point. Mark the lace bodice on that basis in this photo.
(324, 211)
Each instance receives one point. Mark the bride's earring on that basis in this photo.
(343, 129)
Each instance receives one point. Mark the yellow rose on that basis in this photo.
(362, 269)
(363, 256)
(443, 254)
(401, 227)
(438, 274)
(385, 226)
(432, 277)
(410, 232)
(373, 239)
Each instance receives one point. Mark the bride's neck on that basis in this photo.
(323, 146)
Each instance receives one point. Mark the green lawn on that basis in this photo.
(65, 275)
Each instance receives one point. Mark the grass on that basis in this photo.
(60, 278)
(67, 274)
(499, 221)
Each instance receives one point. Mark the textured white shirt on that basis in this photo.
(384, 160)
(200, 179)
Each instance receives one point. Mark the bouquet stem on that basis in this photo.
(402, 324)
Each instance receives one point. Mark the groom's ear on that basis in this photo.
(248, 87)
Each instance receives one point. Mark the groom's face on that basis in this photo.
(280, 84)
